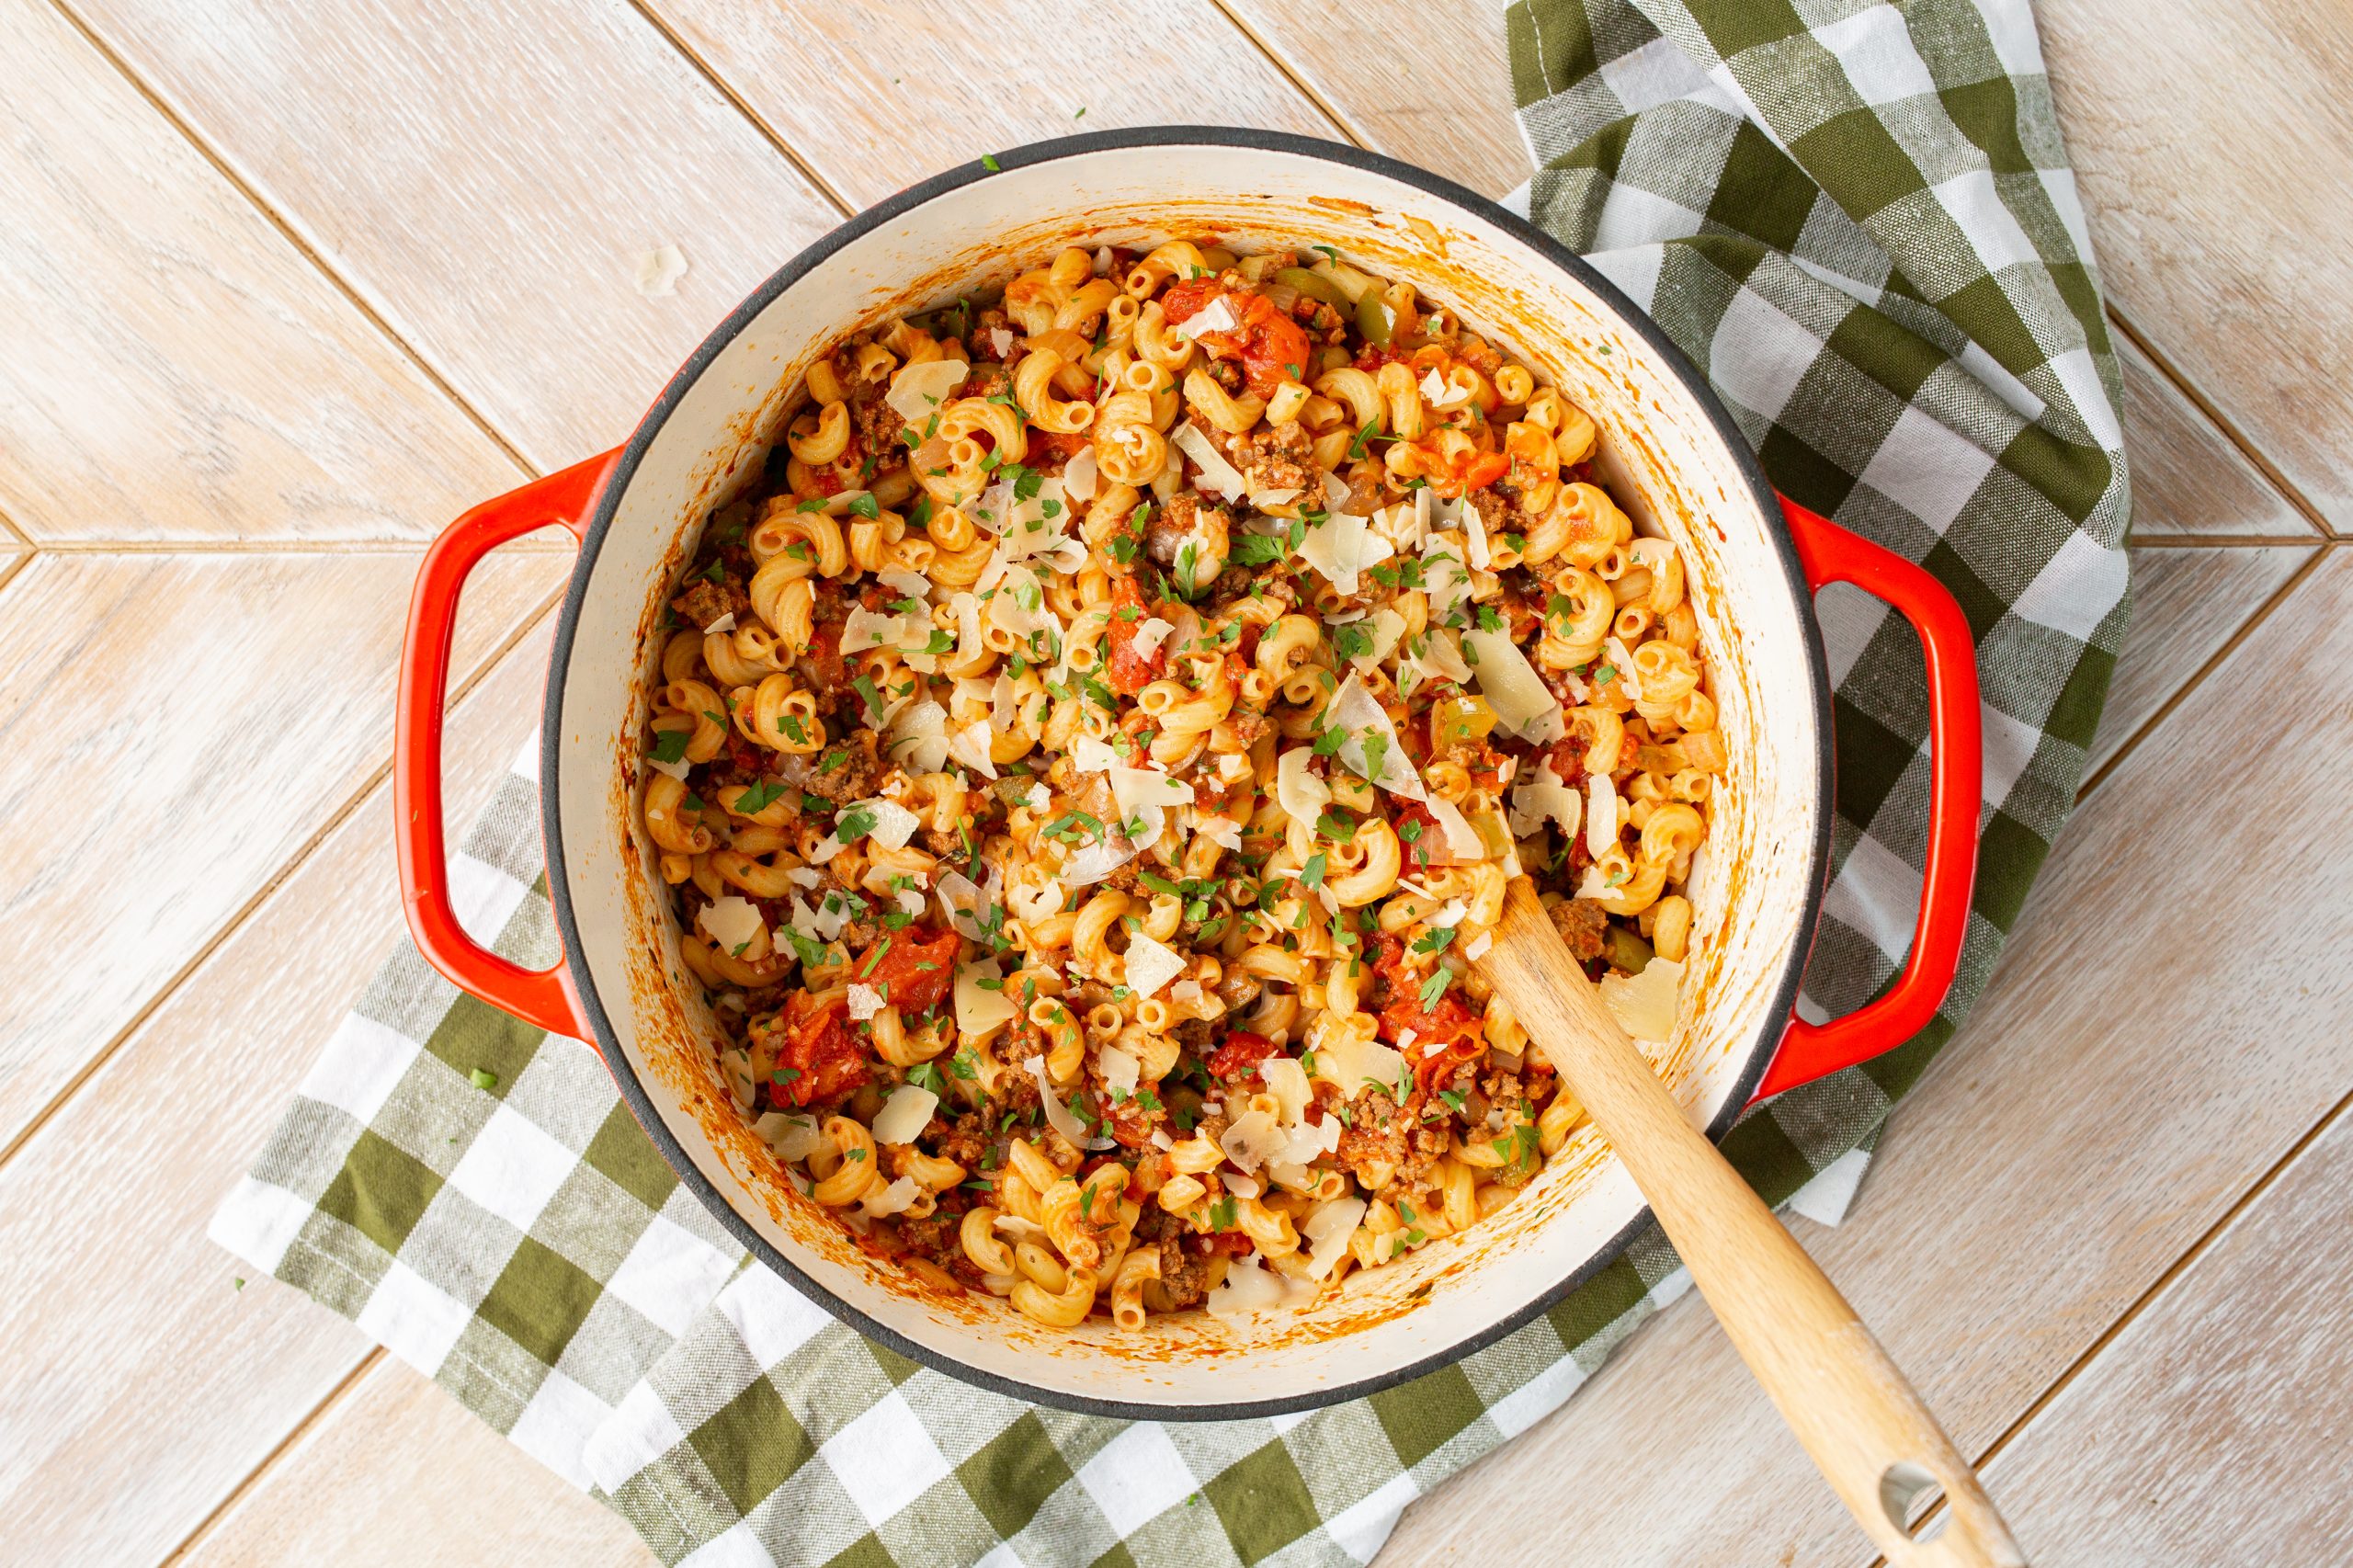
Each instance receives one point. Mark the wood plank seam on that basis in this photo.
(2221, 422)
(1323, 106)
(284, 1446)
(2149, 726)
(8, 570)
(2147, 1299)
(287, 230)
(752, 116)
(237, 919)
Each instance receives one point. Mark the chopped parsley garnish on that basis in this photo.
(757, 797)
(670, 746)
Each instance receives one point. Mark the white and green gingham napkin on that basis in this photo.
(1859, 222)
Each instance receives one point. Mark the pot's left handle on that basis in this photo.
(542, 997)
(1833, 554)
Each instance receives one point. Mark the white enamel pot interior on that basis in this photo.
(1672, 455)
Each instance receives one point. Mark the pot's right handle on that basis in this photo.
(1832, 554)
(542, 997)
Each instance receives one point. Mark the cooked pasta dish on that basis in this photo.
(1088, 762)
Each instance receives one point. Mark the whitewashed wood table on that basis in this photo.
(284, 288)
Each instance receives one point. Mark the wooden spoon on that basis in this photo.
(1868, 1433)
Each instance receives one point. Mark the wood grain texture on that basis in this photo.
(487, 178)
(173, 728)
(142, 1385)
(2189, 479)
(2207, 188)
(1428, 83)
(2189, 603)
(176, 368)
(873, 98)
(399, 1474)
(2208, 1435)
(2107, 1101)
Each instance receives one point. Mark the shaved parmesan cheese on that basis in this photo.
(724, 623)
(1386, 627)
(1120, 1069)
(1544, 795)
(910, 901)
(1462, 841)
(1138, 789)
(1019, 1228)
(1099, 861)
(919, 738)
(906, 584)
(1600, 814)
(919, 389)
(1161, 1139)
(1253, 1140)
(677, 771)
(1223, 832)
(1081, 473)
(735, 1066)
(904, 1114)
(895, 1198)
(1058, 1115)
(1433, 656)
(1305, 1143)
(1444, 577)
(1327, 1231)
(1475, 531)
(1150, 635)
(980, 1008)
(1274, 497)
(1298, 789)
(893, 823)
(1350, 1063)
(1357, 711)
(960, 897)
(1476, 948)
(1215, 316)
(1216, 472)
(659, 269)
(864, 630)
(864, 1002)
(1512, 687)
(1287, 1081)
(1450, 913)
(1240, 1185)
(802, 877)
(1342, 547)
(792, 1137)
(732, 922)
(970, 745)
(1644, 1003)
(1151, 965)
(1247, 1288)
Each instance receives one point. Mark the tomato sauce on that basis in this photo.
(1130, 671)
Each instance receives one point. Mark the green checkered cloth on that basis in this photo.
(1859, 221)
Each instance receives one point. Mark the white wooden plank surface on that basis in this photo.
(2210, 1433)
(400, 1474)
(2211, 145)
(141, 1386)
(486, 176)
(176, 368)
(173, 728)
(2188, 604)
(2188, 480)
(2156, 1039)
(1428, 83)
(874, 96)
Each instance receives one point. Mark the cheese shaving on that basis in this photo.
(1600, 814)
(866, 629)
(724, 623)
(659, 269)
(1216, 472)
(1150, 635)
(1327, 1231)
(1357, 711)
(1523, 705)
(865, 1002)
(1081, 474)
(1120, 1069)
(1342, 547)
(732, 922)
(1543, 795)
(1644, 1003)
(919, 389)
(1151, 965)
(1297, 790)
(1475, 529)
(1216, 316)
(904, 1114)
(1462, 841)
(1058, 1115)
(979, 1008)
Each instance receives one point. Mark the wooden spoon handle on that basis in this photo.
(1869, 1434)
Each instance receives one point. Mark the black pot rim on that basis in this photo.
(634, 1093)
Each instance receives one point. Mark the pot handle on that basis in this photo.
(1833, 554)
(541, 998)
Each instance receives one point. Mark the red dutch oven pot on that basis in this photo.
(1753, 560)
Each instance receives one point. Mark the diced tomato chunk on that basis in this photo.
(1241, 1054)
(912, 971)
(1184, 301)
(821, 1057)
(1445, 1036)
(1130, 671)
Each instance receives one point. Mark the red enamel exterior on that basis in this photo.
(544, 996)
(1832, 554)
